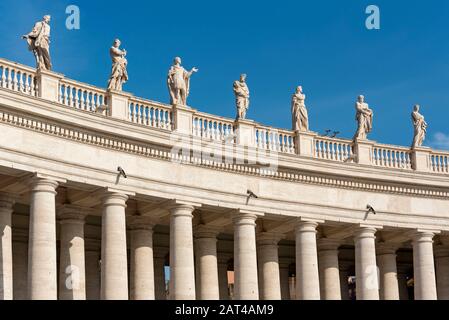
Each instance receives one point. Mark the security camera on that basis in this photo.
(122, 172)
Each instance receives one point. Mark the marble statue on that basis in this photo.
(178, 81)
(364, 119)
(300, 116)
(119, 74)
(39, 43)
(420, 127)
(241, 92)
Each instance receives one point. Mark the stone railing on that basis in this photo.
(333, 149)
(439, 162)
(273, 139)
(207, 126)
(150, 113)
(392, 156)
(80, 95)
(17, 77)
(123, 106)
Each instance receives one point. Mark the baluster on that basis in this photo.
(81, 99)
(20, 81)
(15, 82)
(65, 100)
(3, 79)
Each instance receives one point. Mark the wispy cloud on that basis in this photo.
(440, 140)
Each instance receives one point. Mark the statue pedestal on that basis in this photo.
(363, 150)
(118, 104)
(183, 119)
(305, 143)
(48, 85)
(421, 159)
(245, 131)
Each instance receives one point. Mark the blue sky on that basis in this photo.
(321, 45)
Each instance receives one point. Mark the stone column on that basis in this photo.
(223, 260)
(206, 263)
(367, 283)
(307, 275)
(182, 268)
(284, 275)
(329, 269)
(160, 254)
(424, 267)
(442, 271)
(42, 269)
(114, 266)
(72, 276)
(245, 257)
(268, 254)
(93, 277)
(388, 274)
(20, 263)
(344, 281)
(402, 282)
(141, 256)
(6, 270)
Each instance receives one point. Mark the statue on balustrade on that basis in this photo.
(241, 92)
(364, 119)
(300, 116)
(178, 82)
(119, 74)
(420, 127)
(39, 43)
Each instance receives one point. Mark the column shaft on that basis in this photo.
(159, 273)
(142, 265)
(284, 275)
(72, 278)
(424, 267)
(367, 281)
(268, 255)
(182, 267)
(20, 265)
(207, 266)
(442, 272)
(6, 262)
(329, 270)
(388, 275)
(114, 266)
(223, 260)
(93, 277)
(42, 269)
(307, 274)
(245, 257)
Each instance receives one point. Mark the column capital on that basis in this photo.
(383, 248)
(140, 223)
(423, 236)
(365, 232)
(285, 262)
(68, 213)
(306, 226)
(112, 198)
(160, 252)
(92, 244)
(203, 231)
(224, 257)
(326, 244)
(269, 238)
(44, 184)
(7, 200)
(244, 218)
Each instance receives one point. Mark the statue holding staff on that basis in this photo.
(119, 74)
(364, 118)
(39, 43)
(178, 81)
